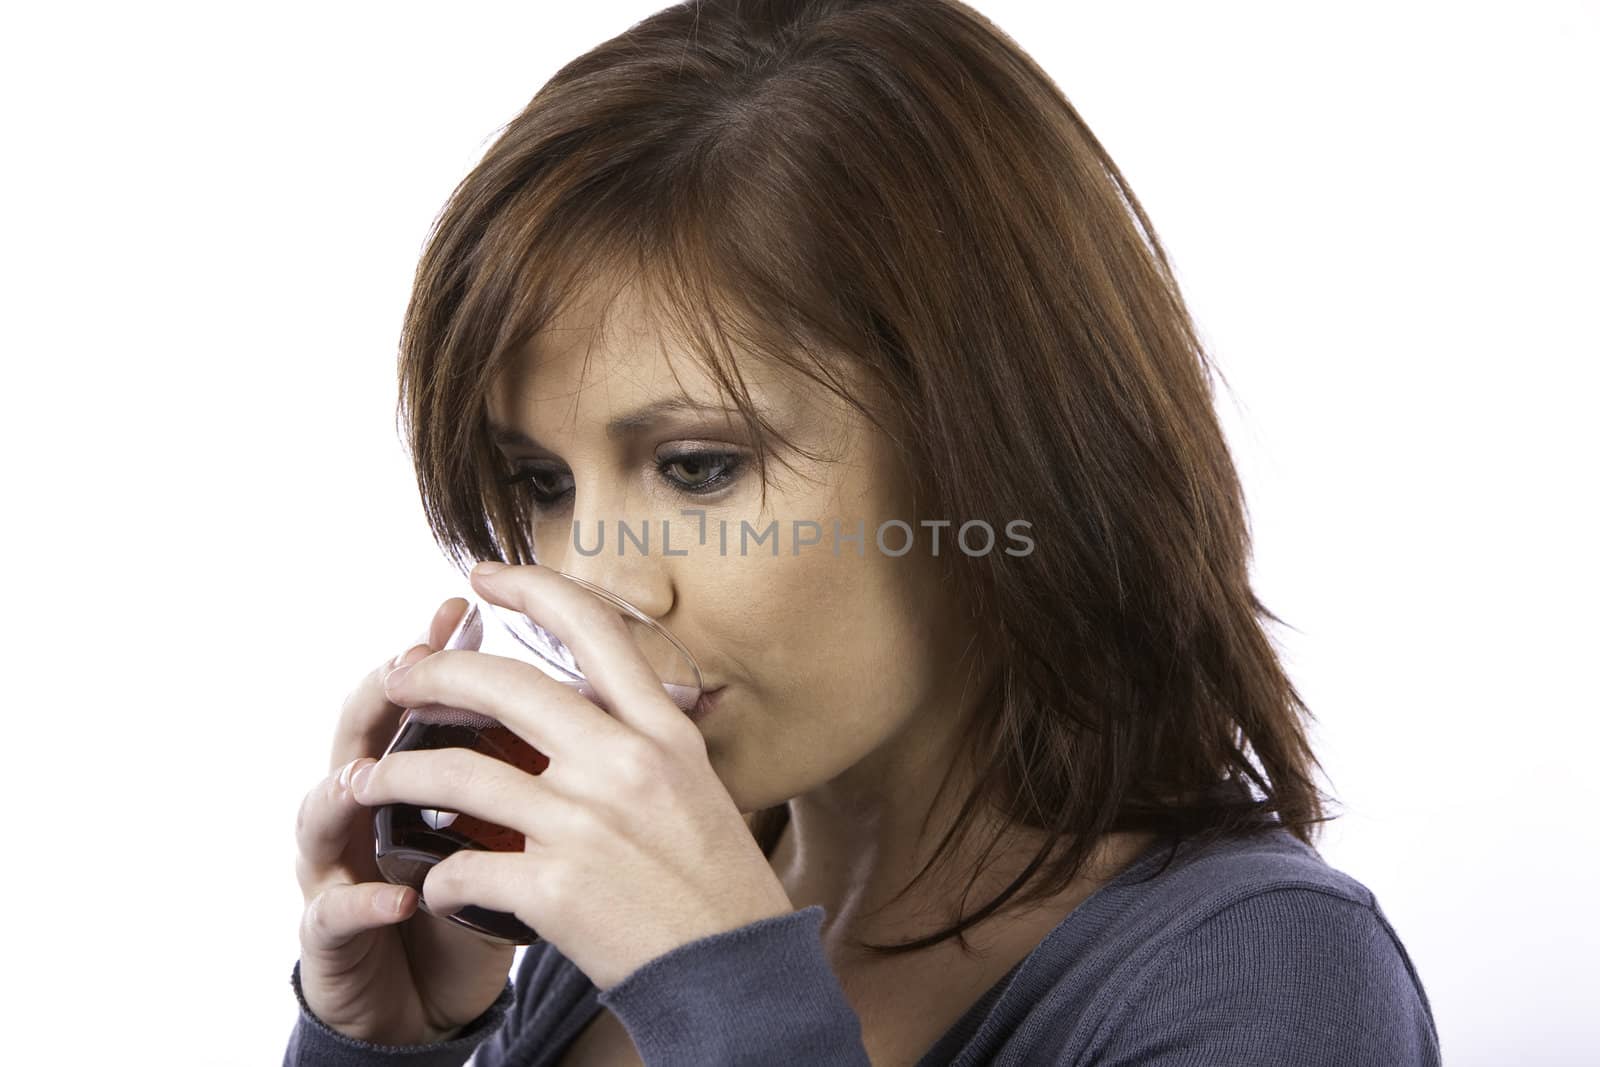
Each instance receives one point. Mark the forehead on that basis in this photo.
(603, 350)
(609, 351)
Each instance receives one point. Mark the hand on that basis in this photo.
(633, 846)
(370, 969)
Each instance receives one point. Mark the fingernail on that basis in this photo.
(488, 567)
(400, 659)
(358, 780)
(392, 680)
(345, 772)
(397, 899)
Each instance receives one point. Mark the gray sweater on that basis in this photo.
(1244, 951)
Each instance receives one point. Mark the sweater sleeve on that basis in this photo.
(1290, 975)
(756, 995)
(313, 1043)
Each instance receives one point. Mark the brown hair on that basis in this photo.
(897, 181)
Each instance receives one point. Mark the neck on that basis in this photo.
(854, 843)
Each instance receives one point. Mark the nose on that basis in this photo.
(639, 581)
(606, 546)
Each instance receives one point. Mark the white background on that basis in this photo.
(1384, 218)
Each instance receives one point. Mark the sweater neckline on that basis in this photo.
(952, 1041)
(945, 1050)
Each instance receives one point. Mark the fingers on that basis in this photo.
(598, 636)
(501, 881)
(551, 716)
(341, 912)
(368, 720)
(326, 828)
(327, 820)
(462, 780)
(445, 620)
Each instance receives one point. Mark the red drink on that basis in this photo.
(410, 839)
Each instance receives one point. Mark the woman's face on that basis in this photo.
(838, 664)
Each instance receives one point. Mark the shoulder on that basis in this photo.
(1254, 949)
(1183, 888)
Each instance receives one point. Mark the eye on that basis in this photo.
(691, 473)
(538, 480)
(700, 472)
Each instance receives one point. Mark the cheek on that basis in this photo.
(838, 653)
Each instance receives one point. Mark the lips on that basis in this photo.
(706, 703)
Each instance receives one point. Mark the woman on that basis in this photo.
(852, 276)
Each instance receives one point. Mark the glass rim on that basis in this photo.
(621, 605)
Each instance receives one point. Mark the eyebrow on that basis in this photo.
(622, 425)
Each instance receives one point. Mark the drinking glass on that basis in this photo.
(410, 839)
